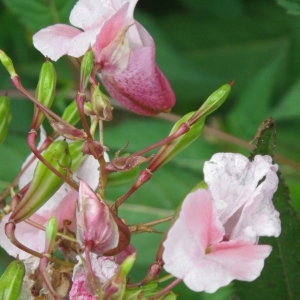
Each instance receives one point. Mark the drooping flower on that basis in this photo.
(215, 238)
(62, 205)
(124, 52)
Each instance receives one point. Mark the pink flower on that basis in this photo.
(124, 52)
(104, 268)
(215, 238)
(62, 205)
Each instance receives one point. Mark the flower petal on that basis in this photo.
(226, 262)
(261, 214)
(194, 230)
(232, 180)
(142, 87)
(54, 41)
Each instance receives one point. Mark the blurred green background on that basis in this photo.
(200, 46)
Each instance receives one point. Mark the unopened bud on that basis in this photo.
(44, 183)
(51, 232)
(101, 105)
(45, 92)
(5, 117)
(86, 69)
(8, 64)
(11, 281)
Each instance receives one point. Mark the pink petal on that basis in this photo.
(54, 41)
(233, 180)
(226, 262)
(194, 230)
(142, 87)
(111, 49)
(28, 235)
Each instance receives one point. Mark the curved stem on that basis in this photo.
(167, 289)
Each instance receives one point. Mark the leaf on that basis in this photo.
(255, 102)
(288, 107)
(280, 276)
(292, 6)
(38, 14)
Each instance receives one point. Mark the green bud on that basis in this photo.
(101, 105)
(45, 91)
(71, 113)
(5, 117)
(11, 281)
(44, 183)
(87, 66)
(7, 63)
(51, 232)
(167, 152)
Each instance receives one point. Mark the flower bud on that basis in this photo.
(45, 92)
(11, 281)
(101, 105)
(87, 65)
(71, 113)
(44, 183)
(7, 63)
(5, 117)
(97, 226)
(51, 232)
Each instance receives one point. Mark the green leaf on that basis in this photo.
(288, 107)
(280, 276)
(38, 14)
(255, 102)
(292, 6)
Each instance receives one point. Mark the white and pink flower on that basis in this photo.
(124, 52)
(215, 238)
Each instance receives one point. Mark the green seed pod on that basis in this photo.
(44, 183)
(167, 152)
(11, 281)
(196, 121)
(51, 232)
(213, 102)
(45, 92)
(71, 113)
(78, 157)
(5, 117)
(7, 63)
(86, 69)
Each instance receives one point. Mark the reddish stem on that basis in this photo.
(31, 139)
(143, 178)
(10, 227)
(43, 265)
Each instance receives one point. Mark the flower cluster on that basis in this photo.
(61, 205)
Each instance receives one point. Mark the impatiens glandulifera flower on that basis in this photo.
(124, 52)
(215, 238)
(11, 281)
(62, 204)
(98, 227)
